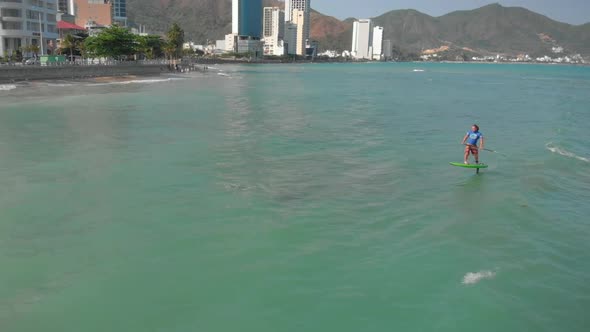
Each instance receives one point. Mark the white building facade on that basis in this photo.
(377, 43)
(299, 12)
(28, 22)
(362, 39)
(273, 31)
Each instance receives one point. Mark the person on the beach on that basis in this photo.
(470, 141)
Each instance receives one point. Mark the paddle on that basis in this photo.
(493, 151)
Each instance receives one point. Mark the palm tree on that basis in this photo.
(34, 49)
(82, 48)
(70, 43)
(170, 50)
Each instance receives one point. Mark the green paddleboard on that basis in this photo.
(477, 166)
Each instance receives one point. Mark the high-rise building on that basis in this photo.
(93, 12)
(273, 31)
(362, 37)
(298, 19)
(246, 27)
(303, 6)
(290, 40)
(247, 18)
(120, 12)
(25, 23)
(377, 43)
(273, 21)
(387, 49)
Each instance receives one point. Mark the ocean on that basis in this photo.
(314, 197)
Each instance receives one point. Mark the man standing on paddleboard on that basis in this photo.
(470, 141)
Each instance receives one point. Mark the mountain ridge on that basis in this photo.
(491, 29)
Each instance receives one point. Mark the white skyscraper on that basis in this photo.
(290, 16)
(362, 39)
(377, 43)
(273, 30)
(235, 17)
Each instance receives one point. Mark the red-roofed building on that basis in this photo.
(66, 28)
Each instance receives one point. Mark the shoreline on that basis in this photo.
(22, 74)
(120, 73)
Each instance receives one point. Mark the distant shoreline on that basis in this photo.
(16, 74)
(21, 73)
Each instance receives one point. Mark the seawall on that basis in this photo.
(10, 74)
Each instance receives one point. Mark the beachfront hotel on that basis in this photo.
(246, 27)
(273, 31)
(298, 12)
(367, 40)
(27, 22)
(362, 32)
(377, 43)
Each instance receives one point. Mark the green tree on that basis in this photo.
(175, 38)
(114, 42)
(70, 43)
(150, 46)
(82, 49)
(35, 49)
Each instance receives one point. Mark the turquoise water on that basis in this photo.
(297, 198)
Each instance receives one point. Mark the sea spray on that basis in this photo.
(563, 152)
(472, 278)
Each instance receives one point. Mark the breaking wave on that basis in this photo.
(556, 149)
(472, 278)
(7, 87)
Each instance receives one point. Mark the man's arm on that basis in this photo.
(481, 145)
(464, 139)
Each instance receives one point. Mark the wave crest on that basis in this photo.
(556, 149)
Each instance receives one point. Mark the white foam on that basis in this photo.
(223, 74)
(147, 81)
(59, 85)
(472, 278)
(418, 70)
(555, 149)
(7, 87)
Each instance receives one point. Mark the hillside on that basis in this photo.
(488, 30)
(201, 19)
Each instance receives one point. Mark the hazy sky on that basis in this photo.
(570, 11)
